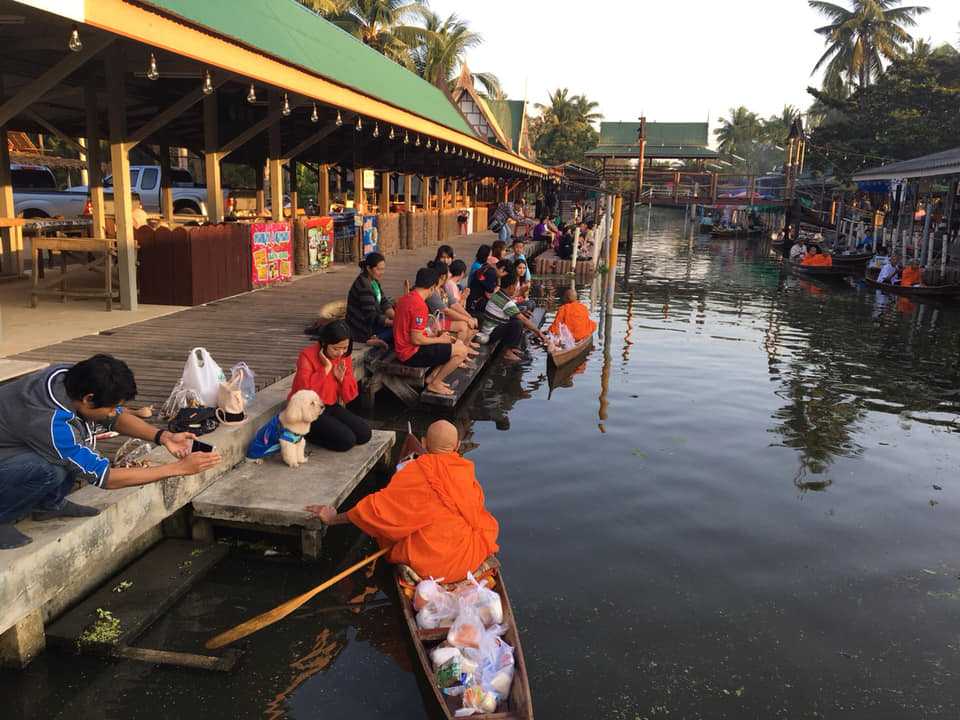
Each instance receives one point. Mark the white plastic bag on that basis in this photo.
(202, 375)
(435, 606)
(248, 385)
(485, 600)
(467, 629)
(493, 677)
(180, 397)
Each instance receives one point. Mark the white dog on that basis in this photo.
(302, 409)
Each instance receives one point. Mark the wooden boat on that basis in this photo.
(856, 260)
(560, 358)
(518, 705)
(928, 291)
(819, 272)
(724, 232)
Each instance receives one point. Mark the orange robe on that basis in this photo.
(911, 276)
(577, 319)
(818, 260)
(433, 514)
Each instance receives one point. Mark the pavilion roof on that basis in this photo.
(664, 141)
(946, 162)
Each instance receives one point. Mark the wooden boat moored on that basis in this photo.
(819, 272)
(560, 358)
(518, 705)
(928, 291)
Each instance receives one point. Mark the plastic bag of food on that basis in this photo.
(477, 700)
(435, 606)
(486, 601)
(442, 654)
(451, 673)
(495, 663)
(467, 630)
(248, 383)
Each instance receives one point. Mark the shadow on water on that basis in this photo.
(741, 505)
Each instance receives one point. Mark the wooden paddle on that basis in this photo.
(281, 611)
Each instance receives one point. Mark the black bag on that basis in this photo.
(199, 421)
(495, 226)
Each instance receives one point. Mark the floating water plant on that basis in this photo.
(105, 631)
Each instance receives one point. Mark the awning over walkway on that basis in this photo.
(934, 165)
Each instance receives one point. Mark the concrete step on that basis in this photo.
(270, 496)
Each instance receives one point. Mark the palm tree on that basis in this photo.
(737, 133)
(776, 128)
(586, 110)
(562, 108)
(860, 38)
(444, 44)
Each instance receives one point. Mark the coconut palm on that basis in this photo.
(860, 38)
(444, 44)
(562, 108)
(586, 110)
(776, 128)
(737, 132)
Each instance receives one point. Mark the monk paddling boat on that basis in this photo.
(559, 358)
(518, 704)
(928, 291)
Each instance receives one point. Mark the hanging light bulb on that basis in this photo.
(392, 135)
(285, 110)
(152, 72)
(314, 116)
(417, 143)
(428, 143)
(207, 82)
(339, 120)
(75, 43)
(406, 138)
(376, 129)
(252, 94)
(359, 123)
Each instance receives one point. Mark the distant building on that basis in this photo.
(500, 122)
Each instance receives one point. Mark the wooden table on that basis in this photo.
(106, 246)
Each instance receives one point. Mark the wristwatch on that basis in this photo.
(156, 438)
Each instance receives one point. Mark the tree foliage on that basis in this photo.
(564, 130)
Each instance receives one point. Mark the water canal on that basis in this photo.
(744, 506)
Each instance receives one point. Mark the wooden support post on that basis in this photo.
(323, 190)
(455, 192)
(714, 181)
(261, 195)
(676, 188)
(408, 192)
(274, 163)
(11, 236)
(441, 193)
(925, 258)
(359, 193)
(94, 161)
(294, 189)
(166, 185)
(425, 191)
(120, 169)
(211, 158)
(641, 153)
(385, 191)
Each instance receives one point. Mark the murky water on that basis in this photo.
(744, 505)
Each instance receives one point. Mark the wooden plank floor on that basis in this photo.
(263, 328)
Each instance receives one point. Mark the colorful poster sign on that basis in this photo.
(371, 235)
(319, 243)
(272, 253)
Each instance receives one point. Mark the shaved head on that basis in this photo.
(570, 295)
(442, 437)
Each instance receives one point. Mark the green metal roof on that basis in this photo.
(291, 33)
(656, 152)
(509, 115)
(664, 140)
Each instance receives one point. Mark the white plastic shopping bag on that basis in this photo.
(202, 375)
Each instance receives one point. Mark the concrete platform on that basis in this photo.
(272, 496)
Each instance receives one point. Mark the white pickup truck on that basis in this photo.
(188, 197)
(35, 194)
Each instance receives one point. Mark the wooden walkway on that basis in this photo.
(263, 328)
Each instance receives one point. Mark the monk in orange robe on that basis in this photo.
(912, 275)
(431, 514)
(575, 316)
(817, 259)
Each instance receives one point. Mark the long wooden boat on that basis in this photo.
(856, 260)
(930, 291)
(819, 272)
(518, 705)
(560, 358)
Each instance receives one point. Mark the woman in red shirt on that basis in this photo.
(327, 369)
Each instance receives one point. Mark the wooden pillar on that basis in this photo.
(94, 161)
(676, 188)
(455, 192)
(441, 193)
(323, 190)
(714, 181)
(641, 154)
(408, 192)
(120, 169)
(385, 191)
(294, 188)
(425, 191)
(12, 242)
(275, 165)
(261, 195)
(166, 185)
(359, 194)
(211, 158)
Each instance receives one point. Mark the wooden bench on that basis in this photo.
(104, 264)
(407, 383)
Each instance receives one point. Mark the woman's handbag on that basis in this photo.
(230, 400)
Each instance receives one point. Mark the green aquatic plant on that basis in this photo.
(105, 631)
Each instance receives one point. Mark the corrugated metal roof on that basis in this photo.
(292, 33)
(946, 162)
(658, 133)
(656, 152)
(509, 115)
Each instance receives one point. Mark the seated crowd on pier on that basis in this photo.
(50, 420)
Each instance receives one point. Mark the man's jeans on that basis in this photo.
(505, 232)
(28, 482)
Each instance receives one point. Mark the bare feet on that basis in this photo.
(512, 355)
(440, 388)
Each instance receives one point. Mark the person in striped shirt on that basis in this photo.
(502, 319)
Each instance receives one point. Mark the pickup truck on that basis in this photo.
(188, 198)
(35, 194)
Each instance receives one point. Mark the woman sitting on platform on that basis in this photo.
(444, 255)
(369, 310)
(327, 369)
(456, 283)
(483, 254)
(453, 317)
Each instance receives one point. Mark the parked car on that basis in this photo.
(35, 194)
(188, 197)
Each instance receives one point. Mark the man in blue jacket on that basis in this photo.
(48, 426)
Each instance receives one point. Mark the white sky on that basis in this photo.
(674, 60)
